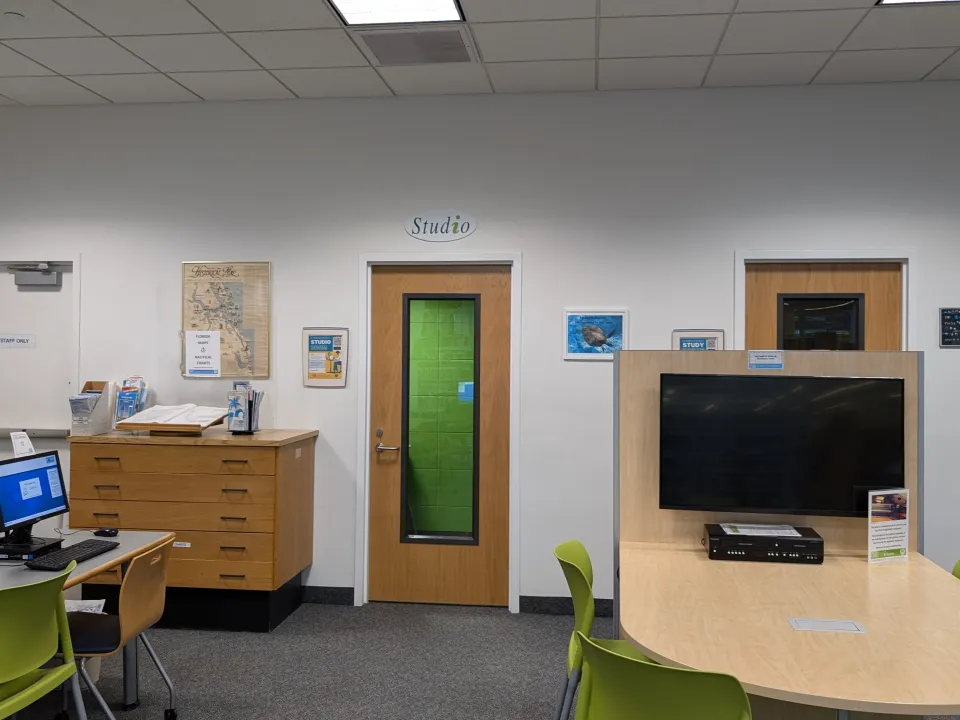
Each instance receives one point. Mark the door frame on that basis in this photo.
(367, 263)
(907, 257)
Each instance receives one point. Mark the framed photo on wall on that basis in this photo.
(697, 340)
(594, 334)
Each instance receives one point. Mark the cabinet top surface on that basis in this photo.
(212, 436)
(686, 610)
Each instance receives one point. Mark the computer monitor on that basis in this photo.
(31, 489)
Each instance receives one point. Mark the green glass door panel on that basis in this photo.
(440, 428)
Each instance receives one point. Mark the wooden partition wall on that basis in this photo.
(638, 417)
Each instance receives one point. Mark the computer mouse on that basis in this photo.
(106, 532)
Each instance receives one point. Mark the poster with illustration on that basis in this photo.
(594, 334)
(325, 357)
(889, 526)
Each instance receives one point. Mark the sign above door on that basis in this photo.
(441, 226)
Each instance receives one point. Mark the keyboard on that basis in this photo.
(59, 559)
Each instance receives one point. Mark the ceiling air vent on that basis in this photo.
(417, 47)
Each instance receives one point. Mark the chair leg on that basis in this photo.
(563, 696)
(64, 713)
(171, 713)
(77, 697)
(571, 691)
(93, 689)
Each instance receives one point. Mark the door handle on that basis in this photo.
(384, 448)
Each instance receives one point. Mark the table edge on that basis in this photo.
(75, 580)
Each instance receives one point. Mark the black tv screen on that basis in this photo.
(779, 444)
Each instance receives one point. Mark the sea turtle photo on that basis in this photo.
(595, 337)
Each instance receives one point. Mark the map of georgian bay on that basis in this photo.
(232, 298)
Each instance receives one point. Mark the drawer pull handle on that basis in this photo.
(112, 487)
(231, 517)
(98, 459)
(106, 514)
(232, 577)
(228, 460)
(234, 490)
(233, 547)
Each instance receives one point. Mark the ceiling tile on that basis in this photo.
(334, 82)
(650, 36)
(81, 56)
(785, 69)
(660, 72)
(780, 5)
(147, 88)
(881, 65)
(549, 40)
(822, 30)
(41, 18)
(508, 10)
(246, 85)
(47, 91)
(950, 70)
(623, 8)
(455, 79)
(238, 15)
(14, 64)
(907, 27)
(553, 76)
(140, 17)
(301, 48)
(183, 53)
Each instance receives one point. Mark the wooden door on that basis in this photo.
(440, 394)
(880, 283)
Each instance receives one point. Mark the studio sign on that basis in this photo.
(441, 226)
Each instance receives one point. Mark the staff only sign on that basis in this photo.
(441, 226)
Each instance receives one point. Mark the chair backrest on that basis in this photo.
(29, 627)
(956, 570)
(624, 688)
(578, 570)
(143, 591)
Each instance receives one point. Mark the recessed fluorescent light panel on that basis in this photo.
(397, 12)
(915, 2)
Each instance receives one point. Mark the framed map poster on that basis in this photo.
(234, 299)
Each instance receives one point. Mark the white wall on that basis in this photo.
(635, 200)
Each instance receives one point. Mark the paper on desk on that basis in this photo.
(760, 530)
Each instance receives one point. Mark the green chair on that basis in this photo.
(578, 570)
(33, 623)
(956, 570)
(623, 688)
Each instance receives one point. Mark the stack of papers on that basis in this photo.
(132, 397)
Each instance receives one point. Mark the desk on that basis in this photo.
(131, 545)
(685, 610)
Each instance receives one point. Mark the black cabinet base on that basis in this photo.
(200, 609)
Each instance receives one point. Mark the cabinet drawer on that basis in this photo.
(232, 547)
(135, 515)
(221, 575)
(251, 490)
(173, 459)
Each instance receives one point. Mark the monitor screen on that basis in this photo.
(31, 489)
(779, 444)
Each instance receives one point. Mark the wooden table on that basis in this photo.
(685, 610)
(131, 545)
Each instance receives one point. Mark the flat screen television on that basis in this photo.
(779, 444)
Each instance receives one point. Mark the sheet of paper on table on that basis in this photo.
(760, 530)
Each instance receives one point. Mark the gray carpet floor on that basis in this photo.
(378, 662)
